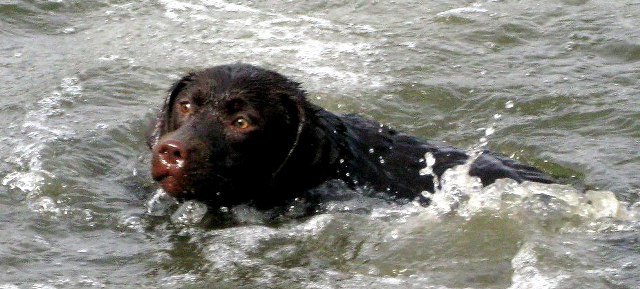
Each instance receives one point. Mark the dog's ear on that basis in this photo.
(159, 126)
(300, 104)
(293, 99)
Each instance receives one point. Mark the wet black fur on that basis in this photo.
(274, 163)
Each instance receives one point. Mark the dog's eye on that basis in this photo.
(241, 123)
(184, 107)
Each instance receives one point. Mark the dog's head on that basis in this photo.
(224, 132)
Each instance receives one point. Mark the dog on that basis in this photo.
(241, 134)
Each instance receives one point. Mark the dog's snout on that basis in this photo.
(168, 166)
(172, 153)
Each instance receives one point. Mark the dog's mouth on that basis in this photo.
(171, 178)
(173, 186)
(184, 184)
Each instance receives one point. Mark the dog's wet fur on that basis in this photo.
(241, 134)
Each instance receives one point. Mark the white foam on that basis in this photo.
(456, 186)
(526, 275)
(457, 192)
(179, 281)
(45, 205)
(476, 8)
(276, 35)
(230, 7)
(314, 225)
(463, 10)
(24, 181)
(172, 5)
(464, 195)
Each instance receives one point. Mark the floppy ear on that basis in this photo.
(293, 99)
(300, 102)
(294, 102)
(159, 126)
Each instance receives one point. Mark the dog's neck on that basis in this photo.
(314, 156)
(294, 144)
(332, 147)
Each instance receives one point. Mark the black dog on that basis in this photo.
(238, 133)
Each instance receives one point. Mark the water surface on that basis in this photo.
(551, 83)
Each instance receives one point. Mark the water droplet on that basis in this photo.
(431, 160)
(508, 104)
(69, 30)
(570, 46)
(428, 170)
(489, 131)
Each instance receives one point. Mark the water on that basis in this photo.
(552, 83)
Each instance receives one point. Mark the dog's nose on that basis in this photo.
(172, 153)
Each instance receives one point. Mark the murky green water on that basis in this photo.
(555, 81)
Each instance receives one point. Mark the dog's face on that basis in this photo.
(224, 132)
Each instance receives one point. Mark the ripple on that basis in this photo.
(623, 50)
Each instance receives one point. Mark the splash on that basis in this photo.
(160, 203)
(458, 193)
(189, 213)
(551, 206)
(38, 131)
(526, 275)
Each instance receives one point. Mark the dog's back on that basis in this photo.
(379, 157)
